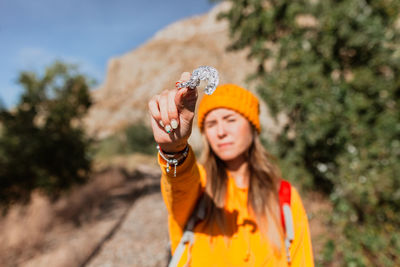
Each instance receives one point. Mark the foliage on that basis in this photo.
(42, 145)
(140, 138)
(110, 146)
(332, 67)
(136, 138)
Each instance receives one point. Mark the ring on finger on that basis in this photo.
(177, 83)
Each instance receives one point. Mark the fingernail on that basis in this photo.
(161, 123)
(174, 124)
(168, 128)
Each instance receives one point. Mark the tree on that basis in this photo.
(333, 68)
(42, 145)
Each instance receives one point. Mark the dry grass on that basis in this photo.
(128, 162)
(24, 229)
(65, 232)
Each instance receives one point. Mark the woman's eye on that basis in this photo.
(231, 120)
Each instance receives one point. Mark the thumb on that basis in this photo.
(186, 98)
(179, 98)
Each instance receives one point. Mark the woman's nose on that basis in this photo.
(221, 130)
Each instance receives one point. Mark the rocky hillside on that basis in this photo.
(135, 77)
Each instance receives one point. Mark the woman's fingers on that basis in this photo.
(164, 111)
(154, 108)
(165, 107)
(163, 104)
(179, 98)
(172, 109)
(186, 98)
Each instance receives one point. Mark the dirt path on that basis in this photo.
(142, 238)
(121, 221)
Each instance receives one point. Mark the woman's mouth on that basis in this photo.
(224, 145)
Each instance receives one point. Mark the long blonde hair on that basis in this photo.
(263, 199)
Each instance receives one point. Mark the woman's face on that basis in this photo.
(229, 133)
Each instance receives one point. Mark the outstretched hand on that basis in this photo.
(172, 113)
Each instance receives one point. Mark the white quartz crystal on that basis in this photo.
(203, 73)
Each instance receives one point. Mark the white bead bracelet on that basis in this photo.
(173, 161)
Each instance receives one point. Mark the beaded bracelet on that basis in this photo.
(173, 161)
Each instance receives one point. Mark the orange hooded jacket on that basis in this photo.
(246, 246)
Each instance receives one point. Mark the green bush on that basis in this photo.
(41, 145)
(335, 73)
(139, 138)
(110, 146)
(136, 138)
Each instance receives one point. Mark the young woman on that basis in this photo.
(243, 222)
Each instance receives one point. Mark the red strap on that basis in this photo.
(284, 198)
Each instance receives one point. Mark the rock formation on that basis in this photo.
(135, 77)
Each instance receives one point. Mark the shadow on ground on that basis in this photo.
(72, 230)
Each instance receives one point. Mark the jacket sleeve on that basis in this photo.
(181, 193)
(301, 249)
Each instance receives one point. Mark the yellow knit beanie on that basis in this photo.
(232, 97)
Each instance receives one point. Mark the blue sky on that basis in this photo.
(87, 32)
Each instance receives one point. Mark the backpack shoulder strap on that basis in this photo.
(197, 215)
(286, 215)
(284, 198)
